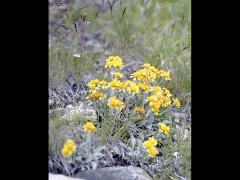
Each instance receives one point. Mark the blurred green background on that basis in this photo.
(154, 31)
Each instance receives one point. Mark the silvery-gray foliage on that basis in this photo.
(87, 156)
(91, 156)
(70, 93)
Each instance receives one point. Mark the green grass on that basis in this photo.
(158, 33)
(62, 61)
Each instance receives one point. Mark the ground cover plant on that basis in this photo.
(120, 87)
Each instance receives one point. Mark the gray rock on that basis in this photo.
(76, 112)
(61, 177)
(115, 173)
(71, 112)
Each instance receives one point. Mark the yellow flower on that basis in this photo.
(154, 103)
(95, 95)
(163, 128)
(152, 151)
(115, 103)
(89, 127)
(166, 101)
(151, 68)
(118, 75)
(115, 84)
(176, 103)
(160, 96)
(143, 87)
(158, 99)
(152, 98)
(68, 148)
(139, 110)
(128, 82)
(133, 88)
(155, 107)
(69, 141)
(140, 75)
(144, 75)
(93, 84)
(150, 145)
(65, 152)
(146, 65)
(166, 92)
(123, 86)
(113, 61)
(164, 74)
(156, 89)
(150, 142)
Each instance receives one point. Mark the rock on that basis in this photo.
(61, 177)
(80, 112)
(73, 112)
(115, 173)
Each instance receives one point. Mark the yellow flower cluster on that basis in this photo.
(89, 127)
(118, 75)
(156, 96)
(163, 128)
(150, 145)
(143, 87)
(97, 84)
(160, 97)
(93, 84)
(139, 110)
(164, 74)
(132, 87)
(144, 75)
(176, 103)
(114, 84)
(113, 61)
(115, 103)
(68, 148)
(149, 73)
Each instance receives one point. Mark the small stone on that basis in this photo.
(79, 112)
(61, 177)
(116, 173)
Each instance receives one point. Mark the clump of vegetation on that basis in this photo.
(133, 117)
(133, 123)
